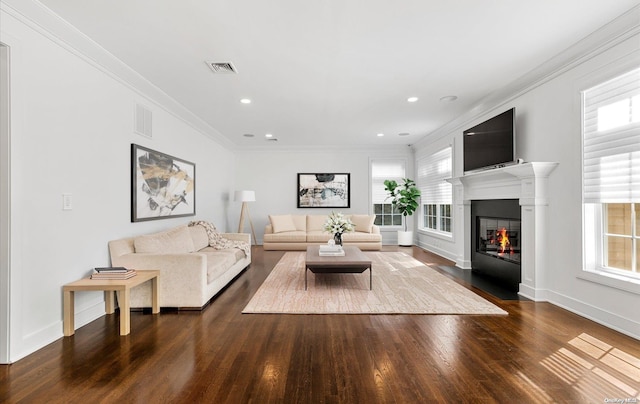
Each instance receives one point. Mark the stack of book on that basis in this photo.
(331, 250)
(113, 273)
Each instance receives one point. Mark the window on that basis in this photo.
(381, 170)
(611, 176)
(436, 198)
(622, 236)
(430, 216)
(445, 218)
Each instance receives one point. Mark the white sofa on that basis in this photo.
(296, 232)
(191, 272)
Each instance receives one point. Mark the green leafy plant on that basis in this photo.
(404, 197)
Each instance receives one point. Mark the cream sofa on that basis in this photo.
(296, 232)
(191, 272)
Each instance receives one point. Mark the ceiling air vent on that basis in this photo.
(222, 67)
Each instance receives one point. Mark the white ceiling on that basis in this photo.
(334, 71)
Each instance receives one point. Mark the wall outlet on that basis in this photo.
(67, 202)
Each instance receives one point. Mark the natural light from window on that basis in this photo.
(619, 113)
(592, 365)
(381, 170)
(611, 177)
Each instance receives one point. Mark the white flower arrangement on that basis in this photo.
(337, 223)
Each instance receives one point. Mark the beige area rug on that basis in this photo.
(401, 285)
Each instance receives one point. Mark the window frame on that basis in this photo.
(427, 217)
(382, 215)
(634, 272)
(372, 203)
(424, 202)
(593, 215)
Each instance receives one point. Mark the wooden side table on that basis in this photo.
(120, 286)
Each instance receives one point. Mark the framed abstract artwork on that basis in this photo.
(324, 190)
(162, 186)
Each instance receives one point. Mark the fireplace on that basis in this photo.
(495, 240)
(499, 238)
(521, 194)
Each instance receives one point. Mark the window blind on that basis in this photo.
(385, 170)
(433, 170)
(611, 146)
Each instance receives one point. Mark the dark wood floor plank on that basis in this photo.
(538, 353)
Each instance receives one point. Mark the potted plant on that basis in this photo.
(404, 198)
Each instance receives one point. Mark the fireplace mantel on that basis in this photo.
(526, 182)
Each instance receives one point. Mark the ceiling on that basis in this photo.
(334, 72)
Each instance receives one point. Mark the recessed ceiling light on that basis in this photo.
(448, 98)
(268, 135)
(245, 101)
(412, 99)
(403, 134)
(248, 135)
(380, 134)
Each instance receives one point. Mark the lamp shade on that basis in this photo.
(245, 196)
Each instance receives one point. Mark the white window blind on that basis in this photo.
(385, 170)
(432, 173)
(611, 151)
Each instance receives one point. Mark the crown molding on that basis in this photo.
(386, 149)
(38, 17)
(611, 34)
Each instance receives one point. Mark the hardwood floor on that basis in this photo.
(538, 353)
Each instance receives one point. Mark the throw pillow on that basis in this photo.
(282, 223)
(363, 223)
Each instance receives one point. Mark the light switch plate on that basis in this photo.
(67, 202)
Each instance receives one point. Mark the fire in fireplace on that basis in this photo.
(496, 236)
(499, 238)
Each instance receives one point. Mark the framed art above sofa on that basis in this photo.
(324, 190)
(162, 186)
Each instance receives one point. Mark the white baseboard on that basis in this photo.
(537, 295)
(89, 314)
(464, 264)
(43, 337)
(441, 252)
(608, 319)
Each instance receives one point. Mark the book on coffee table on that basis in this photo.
(110, 269)
(331, 251)
(114, 274)
(330, 248)
(331, 254)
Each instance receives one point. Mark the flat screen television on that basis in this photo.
(490, 144)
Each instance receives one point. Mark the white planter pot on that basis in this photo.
(405, 238)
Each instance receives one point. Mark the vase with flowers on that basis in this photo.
(337, 224)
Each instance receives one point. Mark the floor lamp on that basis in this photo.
(244, 197)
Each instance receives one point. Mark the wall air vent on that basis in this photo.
(222, 67)
(142, 121)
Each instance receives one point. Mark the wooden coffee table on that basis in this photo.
(353, 262)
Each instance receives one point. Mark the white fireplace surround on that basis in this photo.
(526, 182)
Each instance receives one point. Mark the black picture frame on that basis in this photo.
(324, 190)
(162, 186)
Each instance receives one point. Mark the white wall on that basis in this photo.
(273, 176)
(549, 129)
(71, 132)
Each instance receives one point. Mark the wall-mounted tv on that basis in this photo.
(490, 144)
